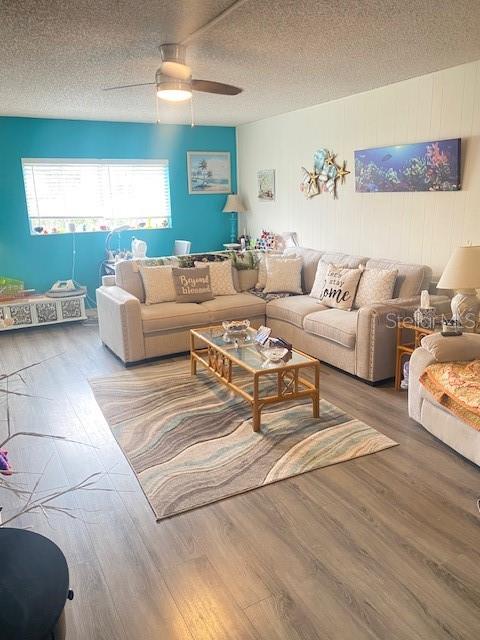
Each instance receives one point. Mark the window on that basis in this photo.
(96, 195)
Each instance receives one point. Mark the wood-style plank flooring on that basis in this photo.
(382, 547)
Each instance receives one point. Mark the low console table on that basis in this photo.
(40, 310)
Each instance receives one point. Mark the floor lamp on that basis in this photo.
(232, 206)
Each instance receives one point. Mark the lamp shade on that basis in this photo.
(462, 270)
(234, 204)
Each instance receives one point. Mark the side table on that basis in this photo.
(408, 339)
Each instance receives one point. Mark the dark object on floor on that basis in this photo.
(33, 587)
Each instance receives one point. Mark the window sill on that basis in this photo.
(47, 228)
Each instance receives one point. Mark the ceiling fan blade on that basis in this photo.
(208, 86)
(127, 86)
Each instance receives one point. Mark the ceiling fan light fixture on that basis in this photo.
(174, 95)
(173, 89)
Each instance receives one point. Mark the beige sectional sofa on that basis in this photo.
(136, 331)
(361, 341)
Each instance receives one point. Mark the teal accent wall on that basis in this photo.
(40, 260)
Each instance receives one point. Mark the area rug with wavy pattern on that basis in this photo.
(190, 441)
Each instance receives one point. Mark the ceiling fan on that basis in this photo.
(174, 81)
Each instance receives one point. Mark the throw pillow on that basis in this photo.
(158, 284)
(284, 275)
(262, 267)
(319, 284)
(452, 348)
(193, 284)
(221, 276)
(340, 287)
(376, 285)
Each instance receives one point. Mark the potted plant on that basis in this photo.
(246, 264)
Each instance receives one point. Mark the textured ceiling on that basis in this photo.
(55, 57)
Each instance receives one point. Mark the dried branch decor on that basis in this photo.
(34, 499)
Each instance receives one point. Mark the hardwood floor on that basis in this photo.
(382, 547)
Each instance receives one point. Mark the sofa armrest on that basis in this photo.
(120, 323)
(419, 361)
(376, 333)
(375, 344)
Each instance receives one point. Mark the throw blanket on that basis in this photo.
(269, 296)
(456, 386)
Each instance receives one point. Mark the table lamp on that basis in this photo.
(462, 273)
(232, 206)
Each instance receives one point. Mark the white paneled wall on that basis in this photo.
(414, 227)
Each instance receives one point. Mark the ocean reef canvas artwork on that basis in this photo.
(208, 172)
(266, 184)
(423, 166)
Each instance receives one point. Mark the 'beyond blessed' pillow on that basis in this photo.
(193, 284)
(340, 287)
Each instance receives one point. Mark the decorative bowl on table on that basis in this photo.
(235, 327)
(273, 353)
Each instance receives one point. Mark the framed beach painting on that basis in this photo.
(209, 172)
(266, 184)
(422, 166)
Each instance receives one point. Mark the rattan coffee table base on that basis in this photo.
(290, 385)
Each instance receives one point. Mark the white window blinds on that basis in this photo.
(100, 189)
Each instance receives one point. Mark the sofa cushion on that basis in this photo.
(293, 309)
(172, 315)
(236, 307)
(344, 260)
(336, 325)
(340, 287)
(319, 284)
(411, 278)
(192, 284)
(262, 267)
(337, 259)
(376, 285)
(221, 276)
(158, 284)
(284, 275)
(311, 258)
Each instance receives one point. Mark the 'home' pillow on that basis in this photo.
(340, 287)
(284, 275)
(193, 284)
(221, 276)
(158, 284)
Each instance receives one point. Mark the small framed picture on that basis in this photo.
(266, 184)
(209, 172)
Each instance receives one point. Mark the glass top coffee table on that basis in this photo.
(229, 357)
